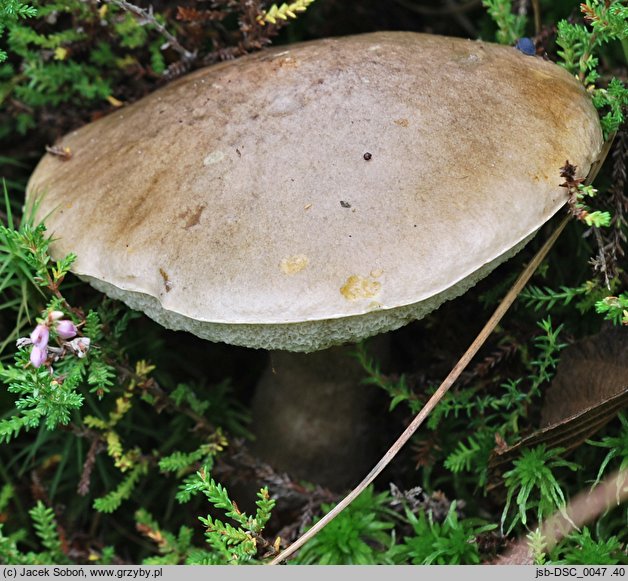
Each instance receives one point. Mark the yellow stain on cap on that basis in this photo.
(294, 264)
(358, 287)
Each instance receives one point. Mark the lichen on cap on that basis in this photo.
(318, 193)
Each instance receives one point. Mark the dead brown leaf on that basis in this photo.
(589, 389)
(589, 373)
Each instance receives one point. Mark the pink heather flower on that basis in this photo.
(39, 337)
(38, 355)
(55, 315)
(66, 329)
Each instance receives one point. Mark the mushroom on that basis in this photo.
(316, 194)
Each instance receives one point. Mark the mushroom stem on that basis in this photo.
(312, 414)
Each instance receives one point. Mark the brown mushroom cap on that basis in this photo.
(318, 193)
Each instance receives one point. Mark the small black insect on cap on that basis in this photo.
(367, 156)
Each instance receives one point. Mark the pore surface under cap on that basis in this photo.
(321, 192)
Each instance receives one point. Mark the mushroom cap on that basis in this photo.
(318, 193)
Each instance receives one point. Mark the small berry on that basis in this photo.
(526, 46)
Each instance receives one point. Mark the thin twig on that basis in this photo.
(601, 262)
(148, 17)
(537, 17)
(435, 399)
(95, 448)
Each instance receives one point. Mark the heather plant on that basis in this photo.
(502, 414)
(72, 376)
(10, 12)
(95, 56)
(225, 543)
(72, 362)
